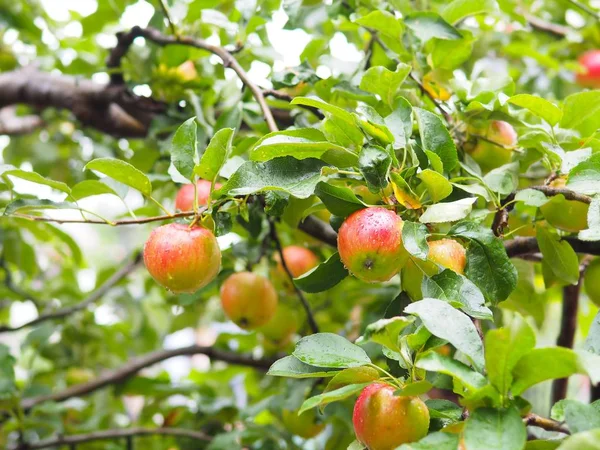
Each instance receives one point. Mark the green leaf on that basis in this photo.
(436, 138)
(447, 323)
(330, 350)
(453, 287)
(343, 133)
(332, 396)
(592, 341)
(457, 10)
(184, 153)
(448, 212)
(495, 429)
(399, 122)
(38, 179)
(88, 188)
(504, 179)
(531, 197)
(323, 277)
(383, 22)
(437, 185)
(292, 367)
(383, 82)
(427, 25)
(373, 124)
(434, 441)
(302, 144)
(415, 388)
(581, 112)
(414, 239)
(287, 174)
(503, 349)
(354, 375)
(592, 233)
(215, 155)
(444, 409)
(488, 265)
(29, 204)
(560, 256)
(123, 172)
(589, 440)
(374, 164)
(340, 201)
(543, 364)
(585, 177)
(578, 416)
(538, 106)
(434, 362)
(386, 331)
(449, 55)
(8, 387)
(334, 111)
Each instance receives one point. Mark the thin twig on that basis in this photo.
(567, 193)
(524, 245)
(11, 286)
(585, 8)
(547, 27)
(283, 96)
(112, 377)
(165, 11)
(547, 424)
(94, 296)
(309, 314)
(111, 223)
(112, 434)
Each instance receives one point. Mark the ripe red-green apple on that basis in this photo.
(449, 254)
(182, 259)
(370, 244)
(304, 425)
(590, 69)
(495, 149)
(249, 300)
(298, 259)
(185, 197)
(384, 421)
(279, 330)
(591, 281)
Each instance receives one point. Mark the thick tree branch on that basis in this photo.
(112, 377)
(111, 109)
(547, 424)
(112, 434)
(522, 245)
(13, 124)
(309, 314)
(94, 296)
(319, 230)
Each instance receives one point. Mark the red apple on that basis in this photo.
(370, 244)
(384, 421)
(449, 254)
(298, 259)
(496, 149)
(182, 259)
(185, 197)
(249, 300)
(590, 69)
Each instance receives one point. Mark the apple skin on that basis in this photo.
(489, 155)
(590, 74)
(298, 259)
(182, 259)
(567, 215)
(449, 254)
(249, 300)
(591, 281)
(304, 425)
(279, 330)
(185, 197)
(384, 421)
(370, 244)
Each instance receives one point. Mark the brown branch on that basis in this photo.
(523, 245)
(547, 424)
(133, 366)
(94, 296)
(111, 109)
(567, 193)
(112, 434)
(585, 8)
(568, 327)
(547, 27)
(309, 314)
(13, 124)
(228, 60)
(319, 230)
(165, 11)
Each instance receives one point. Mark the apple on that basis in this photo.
(384, 421)
(280, 329)
(590, 69)
(185, 197)
(567, 215)
(249, 300)
(496, 149)
(591, 281)
(449, 254)
(298, 259)
(370, 244)
(181, 258)
(304, 425)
